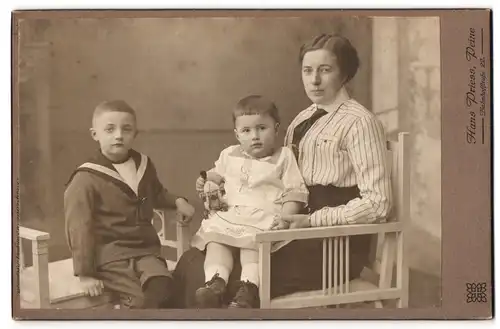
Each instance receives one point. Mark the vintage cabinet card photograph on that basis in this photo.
(244, 164)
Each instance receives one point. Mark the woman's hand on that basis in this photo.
(297, 221)
(279, 224)
(200, 183)
(290, 222)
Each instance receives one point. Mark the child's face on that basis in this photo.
(115, 132)
(256, 134)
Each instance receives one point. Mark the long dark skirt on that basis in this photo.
(295, 267)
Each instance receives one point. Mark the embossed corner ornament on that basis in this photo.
(476, 292)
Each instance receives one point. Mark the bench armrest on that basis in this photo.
(40, 252)
(33, 235)
(327, 232)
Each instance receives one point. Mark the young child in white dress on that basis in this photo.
(261, 180)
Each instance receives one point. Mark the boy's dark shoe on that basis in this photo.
(159, 292)
(247, 296)
(212, 294)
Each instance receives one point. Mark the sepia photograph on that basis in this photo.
(205, 162)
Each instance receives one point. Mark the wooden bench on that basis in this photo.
(53, 285)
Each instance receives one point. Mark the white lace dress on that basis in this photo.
(256, 190)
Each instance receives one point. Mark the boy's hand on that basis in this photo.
(184, 209)
(91, 286)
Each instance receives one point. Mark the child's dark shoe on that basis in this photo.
(247, 296)
(212, 294)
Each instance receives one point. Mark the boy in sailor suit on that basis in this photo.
(109, 204)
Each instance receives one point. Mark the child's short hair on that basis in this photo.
(256, 104)
(113, 106)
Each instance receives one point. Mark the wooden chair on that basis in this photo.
(53, 285)
(390, 246)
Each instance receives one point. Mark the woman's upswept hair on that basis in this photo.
(340, 47)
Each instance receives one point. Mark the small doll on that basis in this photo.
(213, 196)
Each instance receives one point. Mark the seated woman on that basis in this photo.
(340, 149)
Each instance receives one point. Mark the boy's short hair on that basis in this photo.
(113, 106)
(256, 104)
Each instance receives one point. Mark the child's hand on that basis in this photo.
(91, 286)
(207, 176)
(200, 183)
(184, 209)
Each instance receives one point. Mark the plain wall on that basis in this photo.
(407, 97)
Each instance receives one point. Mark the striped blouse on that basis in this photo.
(344, 148)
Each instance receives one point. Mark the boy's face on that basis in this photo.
(256, 134)
(115, 132)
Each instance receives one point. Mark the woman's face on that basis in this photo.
(321, 76)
